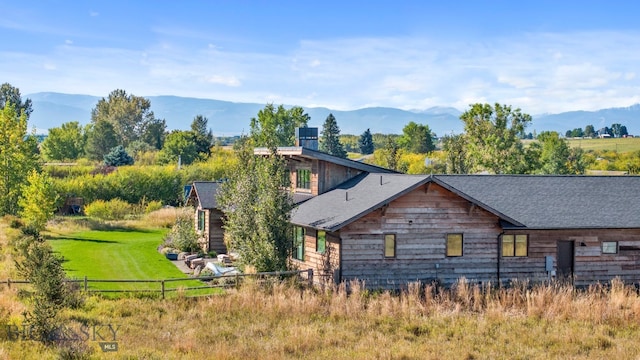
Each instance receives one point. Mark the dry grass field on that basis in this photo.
(289, 321)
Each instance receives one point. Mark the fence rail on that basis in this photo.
(228, 281)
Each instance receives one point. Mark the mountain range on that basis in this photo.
(231, 118)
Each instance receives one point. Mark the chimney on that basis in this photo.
(307, 137)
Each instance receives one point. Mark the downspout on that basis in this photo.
(498, 256)
(339, 261)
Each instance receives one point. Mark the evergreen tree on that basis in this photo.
(202, 135)
(365, 143)
(101, 138)
(330, 139)
(118, 157)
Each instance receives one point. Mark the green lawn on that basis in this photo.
(119, 254)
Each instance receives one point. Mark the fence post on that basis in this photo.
(86, 286)
(9, 283)
(162, 286)
(237, 282)
(310, 277)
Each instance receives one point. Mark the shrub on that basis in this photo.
(152, 206)
(183, 235)
(114, 209)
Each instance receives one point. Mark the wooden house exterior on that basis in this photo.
(389, 229)
(207, 216)
(313, 172)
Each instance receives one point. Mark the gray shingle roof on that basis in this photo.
(537, 202)
(205, 192)
(353, 199)
(555, 202)
(314, 154)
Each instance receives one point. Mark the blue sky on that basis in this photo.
(541, 56)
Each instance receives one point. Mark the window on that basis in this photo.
(303, 179)
(515, 245)
(454, 244)
(390, 245)
(321, 241)
(201, 219)
(298, 243)
(609, 247)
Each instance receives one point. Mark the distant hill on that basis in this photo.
(231, 118)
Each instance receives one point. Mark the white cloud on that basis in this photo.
(538, 72)
(223, 80)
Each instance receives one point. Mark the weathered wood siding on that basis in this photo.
(212, 237)
(325, 265)
(421, 221)
(590, 264)
(324, 175)
(215, 231)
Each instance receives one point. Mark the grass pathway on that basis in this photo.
(118, 254)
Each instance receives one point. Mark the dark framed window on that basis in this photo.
(609, 247)
(298, 243)
(454, 245)
(515, 245)
(321, 241)
(303, 179)
(390, 245)
(201, 220)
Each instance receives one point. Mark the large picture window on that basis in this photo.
(454, 244)
(298, 243)
(303, 179)
(321, 241)
(515, 245)
(390, 245)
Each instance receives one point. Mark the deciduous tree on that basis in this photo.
(416, 138)
(129, 115)
(330, 138)
(257, 209)
(18, 156)
(276, 127)
(456, 161)
(66, 142)
(37, 200)
(181, 145)
(492, 135)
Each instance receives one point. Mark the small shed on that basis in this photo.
(207, 216)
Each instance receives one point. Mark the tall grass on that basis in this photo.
(287, 321)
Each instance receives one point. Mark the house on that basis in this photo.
(208, 217)
(313, 172)
(392, 229)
